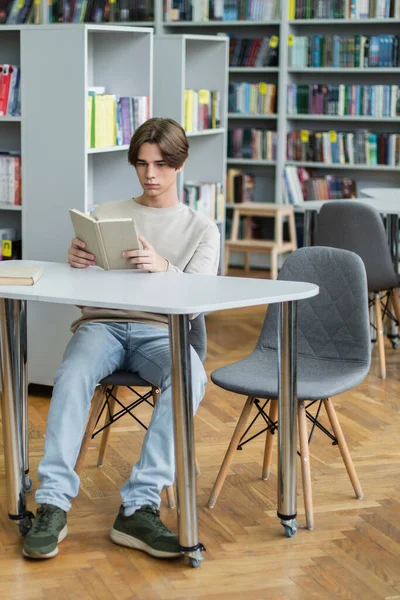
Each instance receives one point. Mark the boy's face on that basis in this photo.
(155, 176)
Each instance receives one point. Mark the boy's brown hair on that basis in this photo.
(167, 134)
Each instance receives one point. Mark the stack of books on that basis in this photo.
(257, 144)
(221, 10)
(202, 110)
(239, 186)
(300, 185)
(260, 52)
(14, 12)
(346, 9)
(252, 98)
(112, 119)
(206, 198)
(100, 11)
(344, 148)
(10, 244)
(10, 91)
(341, 100)
(10, 178)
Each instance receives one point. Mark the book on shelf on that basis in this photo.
(10, 244)
(20, 274)
(205, 197)
(10, 178)
(343, 100)
(347, 9)
(259, 52)
(100, 11)
(112, 119)
(301, 185)
(221, 10)
(360, 147)
(239, 186)
(252, 98)
(257, 144)
(15, 12)
(106, 238)
(344, 51)
(202, 110)
(10, 91)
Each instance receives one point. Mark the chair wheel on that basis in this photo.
(289, 531)
(28, 483)
(290, 527)
(395, 343)
(194, 562)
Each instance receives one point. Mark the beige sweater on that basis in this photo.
(189, 240)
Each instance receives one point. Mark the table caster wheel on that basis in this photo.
(194, 562)
(28, 483)
(290, 527)
(395, 344)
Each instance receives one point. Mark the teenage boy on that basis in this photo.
(175, 238)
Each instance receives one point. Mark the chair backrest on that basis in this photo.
(198, 336)
(334, 324)
(358, 227)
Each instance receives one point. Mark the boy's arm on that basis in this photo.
(205, 260)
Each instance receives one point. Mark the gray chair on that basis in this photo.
(106, 397)
(333, 356)
(359, 228)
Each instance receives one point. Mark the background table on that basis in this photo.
(178, 296)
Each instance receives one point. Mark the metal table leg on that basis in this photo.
(184, 438)
(307, 227)
(392, 229)
(13, 361)
(287, 411)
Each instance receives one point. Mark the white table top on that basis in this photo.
(385, 205)
(166, 293)
(388, 196)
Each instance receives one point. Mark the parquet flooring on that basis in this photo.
(353, 552)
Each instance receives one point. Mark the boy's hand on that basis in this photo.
(146, 258)
(78, 257)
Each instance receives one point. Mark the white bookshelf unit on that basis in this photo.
(183, 62)
(59, 172)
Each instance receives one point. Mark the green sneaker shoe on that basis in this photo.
(48, 530)
(145, 531)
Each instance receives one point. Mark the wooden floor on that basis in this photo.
(353, 553)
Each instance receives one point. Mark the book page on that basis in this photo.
(85, 230)
(118, 235)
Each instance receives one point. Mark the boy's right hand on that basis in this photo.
(78, 257)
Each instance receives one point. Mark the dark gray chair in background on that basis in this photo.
(358, 227)
(333, 357)
(106, 397)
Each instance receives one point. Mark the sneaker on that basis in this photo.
(145, 531)
(48, 530)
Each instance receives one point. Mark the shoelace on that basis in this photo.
(153, 515)
(43, 519)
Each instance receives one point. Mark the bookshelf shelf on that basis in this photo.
(123, 147)
(321, 165)
(253, 69)
(216, 131)
(10, 207)
(251, 162)
(8, 119)
(356, 70)
(248, 23)
(318, 22)
(251, 117)
(343, 118)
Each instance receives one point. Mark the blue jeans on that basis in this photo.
(94, 351)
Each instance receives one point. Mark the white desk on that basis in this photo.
(167, 293)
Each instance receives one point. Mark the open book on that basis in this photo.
(15, 275)
(106, 238)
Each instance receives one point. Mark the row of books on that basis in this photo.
(344, 51)
(344, 148)
(10, 178)
(257, 144)
(10, 91)
(340, 100)
(343, 9)
(254, 52)
(112, 119)
(300, 185)
(252, 98)
(202, 110)
(19, 11)
(206, 198)
(221, 10)
(100, 11)
(239, 186)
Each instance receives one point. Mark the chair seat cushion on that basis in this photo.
(257, 375)
(124, 378)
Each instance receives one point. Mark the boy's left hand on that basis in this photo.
(146, 258)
